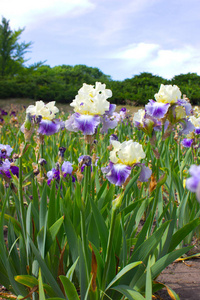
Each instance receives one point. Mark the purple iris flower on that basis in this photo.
(117, 173)
(158, 127)
(4, 165)
(113, 137)
(6, 168)
(187, 126)
(156, 109)
(86, 161)
(5, 150)
(111, 110)
(13, 113)
(145, 173)
(55, 173)
(197, 130)
(187, 142)
(47, 127)
(193, 183)
(108, 123)
(67, 168)
(85, 123)
(186, 105)
(3, 112)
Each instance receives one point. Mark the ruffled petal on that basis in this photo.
(187, 126)
(186, 104)
(85, 123)
(187, 142)
(145, 173)
(47, 127)
(117, 173)
(67, 168)
(5, 150)
(156, 109)
(108, 123)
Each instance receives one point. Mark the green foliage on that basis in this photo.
(84, 239)
(11, 52)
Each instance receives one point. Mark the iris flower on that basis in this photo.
(56, 173)
(5, 150)
(45, 116)
(6, 167)
(193, 182)
(89, 106)
(123, 157)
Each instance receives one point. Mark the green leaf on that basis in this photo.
(71, 270)
(27, 280)
(148, 288)
(166, 260)
(52, 216)
(49, 277)
(182, 233)
(41, 290)
(52, 233)
(101, 226)
(131, 294)
(69, 288)
(122, 272)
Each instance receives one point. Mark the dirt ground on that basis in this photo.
(183, 278)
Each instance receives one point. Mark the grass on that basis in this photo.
(20, 103)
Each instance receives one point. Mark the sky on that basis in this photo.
(122, 38)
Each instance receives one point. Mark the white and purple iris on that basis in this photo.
(145, 122)
(91, 108)
(169, 98)
(187, 143)
(192, 129)
(6, 168)
(45, 116)
(56, 173)
(193, 183)
(123, 157)
(6, 165)
(5, 151)
(168, 109)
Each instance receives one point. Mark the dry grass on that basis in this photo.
(19, 104)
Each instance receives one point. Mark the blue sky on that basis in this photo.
(120, 37)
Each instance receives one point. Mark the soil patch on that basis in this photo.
(183, 278)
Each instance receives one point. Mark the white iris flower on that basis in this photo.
(92, 100)
(127, 153)
(168, 94)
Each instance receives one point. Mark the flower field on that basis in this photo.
(97, 203)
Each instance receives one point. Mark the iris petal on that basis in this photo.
(117, 173)
(48, 127)
(156, 109)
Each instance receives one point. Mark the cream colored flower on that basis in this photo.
(168, 94)
(47, 111)
(195, 121)
(92, 100)
(138, 116)
(128, 152)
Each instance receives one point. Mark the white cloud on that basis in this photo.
(144, 57)
(175, 61)
(23, 12)
(137, 52)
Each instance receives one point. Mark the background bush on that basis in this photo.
(61, 83)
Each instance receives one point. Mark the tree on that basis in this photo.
(11, 51)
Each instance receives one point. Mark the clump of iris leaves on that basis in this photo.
(70, 240)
